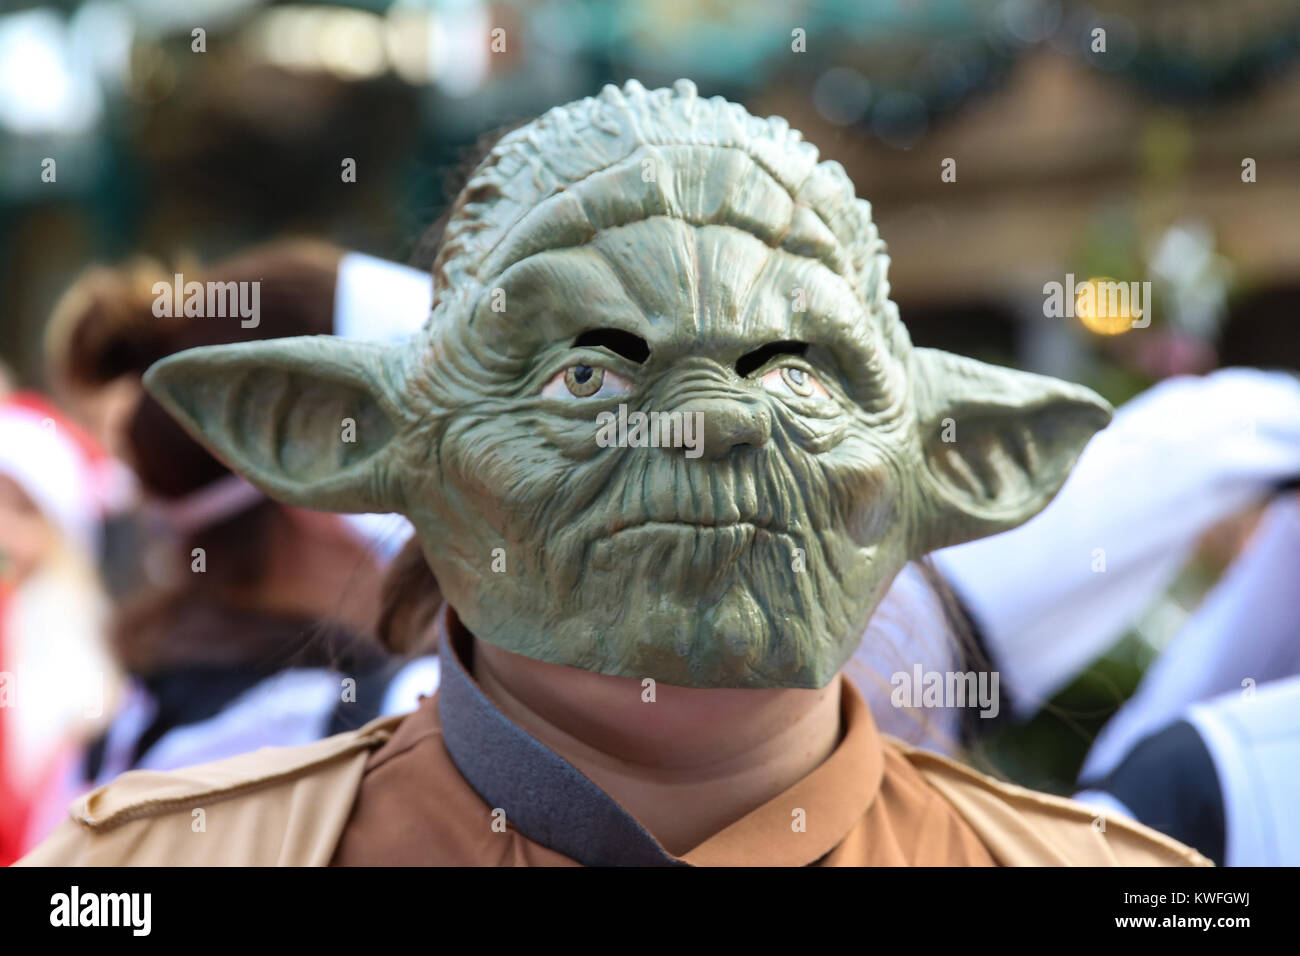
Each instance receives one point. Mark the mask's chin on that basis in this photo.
(699, 632)
(734, 604)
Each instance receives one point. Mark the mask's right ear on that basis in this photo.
(311, 420)
(1014, 438)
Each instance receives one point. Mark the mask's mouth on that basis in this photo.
(703, 524)
(706, 548)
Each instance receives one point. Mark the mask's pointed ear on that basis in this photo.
(997, 443)
(309, 420)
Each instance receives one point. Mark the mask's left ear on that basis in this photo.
(997, 444)
(309, 420)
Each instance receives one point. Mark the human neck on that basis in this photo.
(686, 765)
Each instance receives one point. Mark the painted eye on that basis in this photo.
(794, 380)
(585, 381)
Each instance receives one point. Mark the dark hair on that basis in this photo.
(427, 245)
(104, 328)
(409, 602)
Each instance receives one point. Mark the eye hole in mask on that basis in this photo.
(793, 380)
(586, 381)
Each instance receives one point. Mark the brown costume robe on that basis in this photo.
(421, 789)
(865, 805)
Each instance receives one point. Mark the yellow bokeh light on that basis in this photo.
(1104, 305)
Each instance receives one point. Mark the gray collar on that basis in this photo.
(544, 796)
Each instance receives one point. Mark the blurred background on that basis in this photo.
(1164, 148)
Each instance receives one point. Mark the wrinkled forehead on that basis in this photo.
(700, 240)
(663, 205)
(699, 185)
(682, 288)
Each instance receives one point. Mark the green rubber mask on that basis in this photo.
(664, 421)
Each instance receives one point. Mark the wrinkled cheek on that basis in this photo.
(495, 465)
(462, 507)
(877, 513)
(512, 487)
(867, 497)
(865, 545)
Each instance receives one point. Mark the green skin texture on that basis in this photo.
(756, 564)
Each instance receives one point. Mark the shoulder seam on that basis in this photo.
(1043, 801)
(368, 737)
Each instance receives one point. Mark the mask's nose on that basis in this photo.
(728, 423)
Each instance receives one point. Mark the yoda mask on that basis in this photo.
(652, 252)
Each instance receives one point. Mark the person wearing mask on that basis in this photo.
(642, 644)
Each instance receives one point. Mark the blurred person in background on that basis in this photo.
(250, 627)
(1206, 749)
(1178, 461)
(57, 679)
